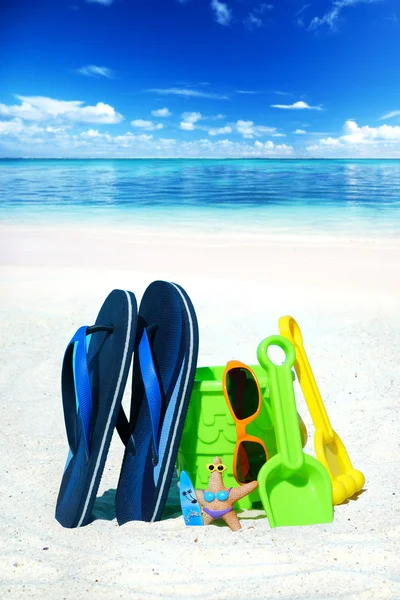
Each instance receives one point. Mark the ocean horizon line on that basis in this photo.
(219, 158)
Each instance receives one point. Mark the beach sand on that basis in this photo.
(344, 294)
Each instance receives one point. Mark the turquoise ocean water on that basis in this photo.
(348, 197)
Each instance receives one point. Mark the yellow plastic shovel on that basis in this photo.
(329, 448)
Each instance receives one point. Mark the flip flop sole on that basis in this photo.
(143, 487)
(109, 357)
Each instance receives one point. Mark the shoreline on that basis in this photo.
(176, 233)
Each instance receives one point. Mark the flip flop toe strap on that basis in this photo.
(151, 388)
(153, 397)
(76, 389)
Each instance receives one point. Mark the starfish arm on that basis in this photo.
(200, 497)
(240, 492)
(232, 520)
(207, 519)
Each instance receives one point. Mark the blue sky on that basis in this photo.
(201, 78)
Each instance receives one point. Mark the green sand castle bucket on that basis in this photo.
(210, 430)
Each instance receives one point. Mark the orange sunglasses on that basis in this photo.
(243, 397)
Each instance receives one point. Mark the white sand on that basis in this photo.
(345, 296)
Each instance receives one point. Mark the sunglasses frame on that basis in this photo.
(241, 424)
(215, 468)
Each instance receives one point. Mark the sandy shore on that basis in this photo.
(345, 295)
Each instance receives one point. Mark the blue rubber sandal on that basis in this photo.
(163, 374)
(94, 373)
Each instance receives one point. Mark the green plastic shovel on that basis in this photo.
(295, 489)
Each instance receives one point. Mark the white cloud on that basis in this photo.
(220, 130)
(297, 106)
(41, 108)
(187, 93)
(217, 117)
(95, 71)
(167, 142)
(332, 17)
(269, 147)
(268, 144)
(246, 92)
(300, 132)
(104, 2)
(191, 117)
(229, 149)
(299, 15)
(161, 112)
(91, 133)
(246, 128)
(144, 137)
(147, 125)
(25, 110)
(186, 126)
(363, 141)
(356, 134)
(222, 14)
(330, 141)
(11, 127)
(390, 115)
(302, 9)
(19, 139)
(16, 128)
(249, 130)
(101, 113)
(252, 21)
(51, 129)
(128, 139)
(51, 106)
(263, 7)
(190, 122)
(279, 93)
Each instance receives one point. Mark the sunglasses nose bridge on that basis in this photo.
(241, 425)
(220, 468)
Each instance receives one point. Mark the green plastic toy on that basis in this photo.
(295, 489)
(210, 430)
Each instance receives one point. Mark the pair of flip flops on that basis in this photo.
(163, 339)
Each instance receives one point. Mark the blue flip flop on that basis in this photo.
(163, 374)
(94, 373)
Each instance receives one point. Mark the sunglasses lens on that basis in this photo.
(221, 468)
(250, 459)
(242, 392)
